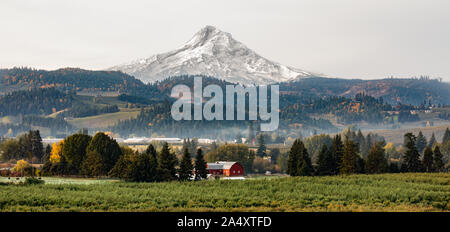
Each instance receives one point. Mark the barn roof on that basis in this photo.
(227, 165)
(221, 165)
(215, 166)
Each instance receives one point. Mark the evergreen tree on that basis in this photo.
(36, 144)
(367, 144)
(262, 150)
(411, 159)
(350, 162)
(143, 169)
(305, 167)
(361, 140)
(248, 161)
(299, 163)
(427, 161)
(438, 163)
(361, 164)
(293, 159)
(151, 151)
(337, 151)
(122, 168)
(376, 161)
(200, 166)
(325, 162)
(74, 149)
(421, 142)
(446, 136)
(185, 171)
(393, 168)
(108, 149)
(274, 153)
(191, 145)
(92, 165)
(147, 164)
(432, 141)
(350, 134)
(166, 164)
(48, 150)
(25, 146)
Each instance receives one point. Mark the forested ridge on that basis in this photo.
(74, 79)
(35, 101)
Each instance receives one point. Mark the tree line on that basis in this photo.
(101, 155)
(344, 157)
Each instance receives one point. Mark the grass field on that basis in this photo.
(396, 136)
(103, 120)
(386, 192)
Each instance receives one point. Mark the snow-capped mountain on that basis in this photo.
(214, 53)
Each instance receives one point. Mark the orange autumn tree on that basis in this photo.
(55, 154)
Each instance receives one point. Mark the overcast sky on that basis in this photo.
(345, 38)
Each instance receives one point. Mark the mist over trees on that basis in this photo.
(101, 155)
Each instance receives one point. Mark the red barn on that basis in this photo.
(225, 168)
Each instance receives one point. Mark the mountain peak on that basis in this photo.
(209, 34)
(209, 31)
(212, 52)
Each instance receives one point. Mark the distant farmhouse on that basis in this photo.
(225, 169)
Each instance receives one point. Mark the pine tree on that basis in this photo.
(432, 141)
(337, 151)
(305, 167)
(37, 148)
(368, 144)
(325, 162)
(393, 168)
(411, 159)
(361, 142)
(293, 159)
(200, 166)
(421, 142)
(147, 165)
(262, 150)
(350, 161)
(376, 161)
(427, 161)
(185, 171)
(166, 164)
(438, 163)
(274, 153)
(446, 136)
(122, 169)
(299, 163)
(46, 157)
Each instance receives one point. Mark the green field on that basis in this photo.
(385, 192)
(103, 120)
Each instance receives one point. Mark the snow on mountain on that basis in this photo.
(214, 53)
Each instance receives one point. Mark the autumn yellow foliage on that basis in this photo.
(21, 165)
(389, 146)
(55, 155)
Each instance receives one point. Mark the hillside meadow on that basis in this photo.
(384, 192)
